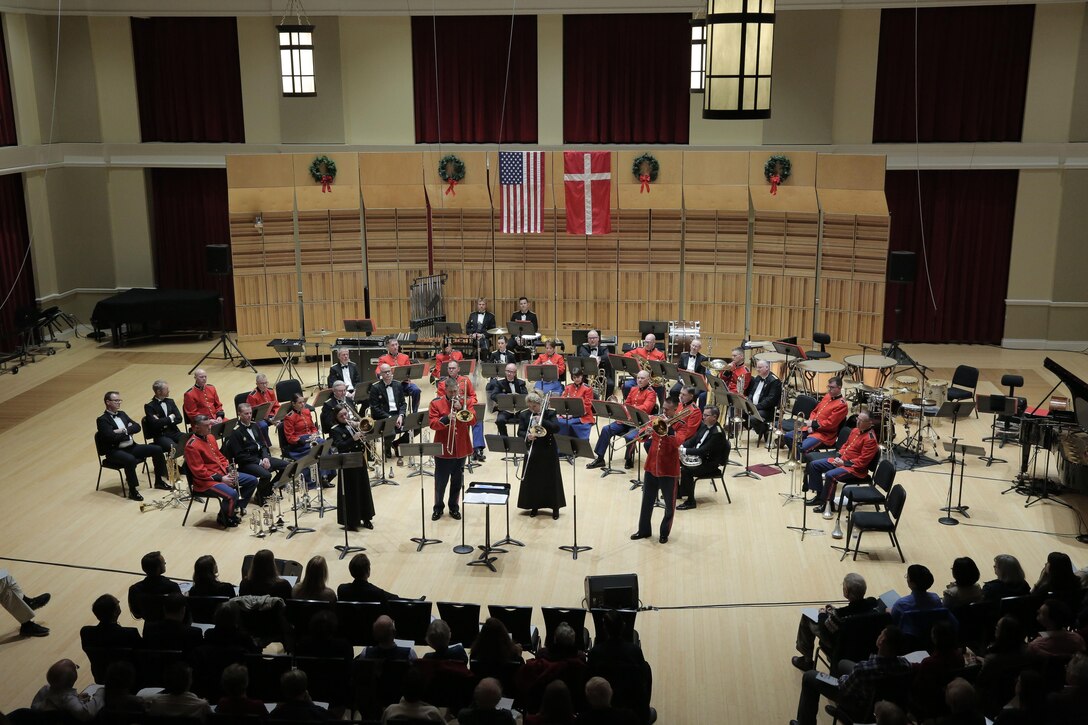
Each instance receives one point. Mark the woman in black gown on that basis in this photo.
(542, 487)
(354, 502)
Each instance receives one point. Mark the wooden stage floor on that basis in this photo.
(723, 596)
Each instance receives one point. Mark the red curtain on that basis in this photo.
(15, 277)
(188, 79)
(7, 111)
(626, 78)
(972, 74)
(189, 208)
(967, 217)
(467, 106)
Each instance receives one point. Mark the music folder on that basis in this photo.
(408, 372)
(547, 373)
(491, 494)
(493, 370)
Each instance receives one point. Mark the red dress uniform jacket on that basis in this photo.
(204, 460)
(465, 385)
(296, 425)
(734, 376)
(201, 401)
(686, 428)
(830, 412)
(556, 360)
(859, 450)
(268, 396)
(401, 360)
(640, 351)
(645, 399)
(462, 441)
(584, 392)
(441, 359)
(663, 460)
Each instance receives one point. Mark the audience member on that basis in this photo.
(385, 646)
(153, 584)
(964, 588)
(314, 582)
(1028, 706)
(564, 645)
(485, 701)
(60, 695)
(1004, 658)
(296, 704)
(321, 640)
(108, 633)
(1069, 705)
(1010, 581)
(176, 700)
(493, 644)
(234, 682)
(411, 705)
(438, 639)
(226, 632)
(556, 708)
(117, 697)
(263, 578)
(21, 606)
(919, 580)
(206, 579)
(359, 589)
(962, 703)
(1055, 639)
(932, 673)
(172, 632)
(826, 628)
(888, 713)
(599, 706)
(1060, 580)
(615, 647)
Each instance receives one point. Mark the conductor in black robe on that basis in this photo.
(354, 502)
(542, 486)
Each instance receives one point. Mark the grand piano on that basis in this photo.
(1072, 437)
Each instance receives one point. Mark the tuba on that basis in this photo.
(690, 460)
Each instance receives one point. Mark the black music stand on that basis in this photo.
(492, 369)
(512, 403)
(406, 373)
(954, 409)
(804, 527)
(569, 407)
(293, 471)
(448, 328)
(739, 402)
(364, 325)
(641, 419)
(286, 349)
(965, 450)
(507, 445)
(414, 423)
(419, 450)
(689, 379)
(628, 365)
(487, 494)
(995, 405)
(519, 329)
(321, 450)
(383, 429)
(658, 328)
(619, 413)
(588, 365)
(543, 373)
(340, 461)
(575, 448)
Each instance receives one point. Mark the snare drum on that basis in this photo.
(816, 373)
(911, 411)
(872, 370)
(776, 360)
(937, 390)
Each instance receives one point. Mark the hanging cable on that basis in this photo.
(918, 168)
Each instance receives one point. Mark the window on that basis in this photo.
(698, 54)
(297, 60)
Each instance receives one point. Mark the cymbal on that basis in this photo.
(498, 331)
(718, 365)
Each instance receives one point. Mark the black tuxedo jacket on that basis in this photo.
(529, 317)
(503, 357)
(336, 372)
(700, 362)
(502, 386)
(242, 449)
(488, 324)
(157, 423)
(379, 400)
(107, 429)
(603, 351)
(769, 398)
(329, 409)
(712, 449)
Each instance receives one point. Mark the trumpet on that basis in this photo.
(661, 426)
(536, 429)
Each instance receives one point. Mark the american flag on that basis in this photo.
(521, 178)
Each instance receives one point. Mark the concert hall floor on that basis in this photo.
(724, 594)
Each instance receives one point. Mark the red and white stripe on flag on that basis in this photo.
(587, 178)
(521, 179)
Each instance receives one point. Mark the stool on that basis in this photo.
(823, 340)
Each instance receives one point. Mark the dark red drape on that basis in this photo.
(7, 111)
(626, 78)
(972, 74)
(967, 217)
(188, 79)
(189, 208)
(16, 277)
(470, 75)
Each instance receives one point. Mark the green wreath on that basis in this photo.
(636, 167)
(777, 165)
(451, 168)
(321, 167)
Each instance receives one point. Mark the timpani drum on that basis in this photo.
(937, 390)
(816, 373)
(776, 360)
(873, 370)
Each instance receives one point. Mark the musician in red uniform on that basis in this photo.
(822, 427)
(686, 428)
(736, 372)
(449, 466)
(263, 394)
(209, 469)
(849, 463)
(445, 357)
(201, 399)
(302, 434)
(643, 397)
(662, 475)
(551, 357)
(648, 351)
(393, 357)
(578, 427)
(453, 372)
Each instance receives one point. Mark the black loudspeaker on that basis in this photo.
(612, 591)
(901, 266)
(217, 258)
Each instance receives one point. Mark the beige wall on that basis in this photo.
(803, 90)
(855, 77)
(115, 79)
(258, 54)
(1079, 121)
(320, 118)
(376, 61)
(549, 89)
(1051, 74)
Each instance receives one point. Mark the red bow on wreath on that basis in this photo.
(645, 179)
(450, 189)
(326, 183)
(775, 181)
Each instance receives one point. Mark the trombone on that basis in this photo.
(536, 430)
(462, 416)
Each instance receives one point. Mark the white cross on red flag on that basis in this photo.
(587, 178)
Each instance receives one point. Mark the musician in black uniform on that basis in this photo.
(387, 401)
(764, 390)
(592, 347)
(345, 370)
(115, 431)
(246, 447)
(522, 314)
(542, 485)
(509, 384)
(501, 354)
(163, 417)
(354, 502)
(711, 446)
(479, 322)
(693, 361)
(337, 400)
